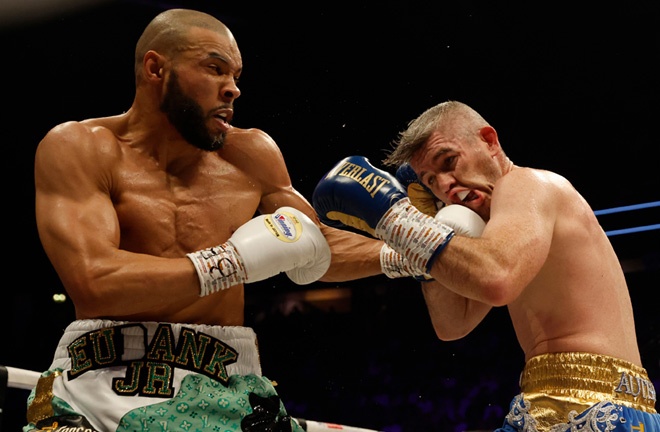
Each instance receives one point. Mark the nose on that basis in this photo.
(443, 182)
(230, 90)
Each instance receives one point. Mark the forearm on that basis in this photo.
(130, 283)
(481, 269)
(354, 256)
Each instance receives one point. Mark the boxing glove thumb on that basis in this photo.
(288, 241)
(463, 220)
(420, 196)
(314, 255)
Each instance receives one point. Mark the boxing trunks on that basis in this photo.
(126, 376)
(582, 392)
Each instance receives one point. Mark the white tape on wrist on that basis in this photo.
(392, 263)
(415, 235)
(395, 265)
(218, 268)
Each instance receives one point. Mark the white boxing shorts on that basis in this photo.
(149, 376)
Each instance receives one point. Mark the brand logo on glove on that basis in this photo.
(284, 226)
(371, 182)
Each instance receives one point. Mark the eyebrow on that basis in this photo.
(220, 57)
(435, 157)
(217, 56)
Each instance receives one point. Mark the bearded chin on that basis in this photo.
(217, 142)
(189, 121)
(187, 117)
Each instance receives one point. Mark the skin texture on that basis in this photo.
(542, 254)
(120, 200)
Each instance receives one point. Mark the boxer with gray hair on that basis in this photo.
(542, 254)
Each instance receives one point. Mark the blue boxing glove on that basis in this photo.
(354, 193)
(420, 195)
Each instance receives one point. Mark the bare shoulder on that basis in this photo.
(258, 156)
(534, 176)
(76, 153)
(252, 139)
(532, 182)
(83, 138)
(528, 193)
(253, 150)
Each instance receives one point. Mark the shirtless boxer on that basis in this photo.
(149, 219)
(542, 254)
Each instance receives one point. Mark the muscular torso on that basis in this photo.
(105, 188)
(172, 213)
(120, 201)
(579, 300)
(169, 214)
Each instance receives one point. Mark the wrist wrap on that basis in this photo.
(395, 265)
(415, 235)
(218, 268)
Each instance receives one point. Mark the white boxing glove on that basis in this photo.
(463, 220)
(285, 241)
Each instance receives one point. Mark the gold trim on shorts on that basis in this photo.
(41, 407)
(558, 383)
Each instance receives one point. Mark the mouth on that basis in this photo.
(224, 116)
(466, 196)
(462, 195)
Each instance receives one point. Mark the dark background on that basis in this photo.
(570, 87)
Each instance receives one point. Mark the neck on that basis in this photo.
(508, 166)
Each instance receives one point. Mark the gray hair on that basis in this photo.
(453, 118)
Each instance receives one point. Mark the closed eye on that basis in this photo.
(448, 163)
(219, 70)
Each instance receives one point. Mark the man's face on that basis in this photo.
(188, 117)
(458, 172)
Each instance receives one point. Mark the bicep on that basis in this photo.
(288, 197)
(521, 226)
(75, 217)
(76, 223)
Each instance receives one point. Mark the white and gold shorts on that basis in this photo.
(150, 376)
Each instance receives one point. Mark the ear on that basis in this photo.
(153, 65)
(489, 136)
